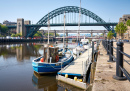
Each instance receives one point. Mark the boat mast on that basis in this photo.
(79, 24)
(48, 28)
(64, 35)
(48, 37)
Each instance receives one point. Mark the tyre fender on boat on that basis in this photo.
(57, 58)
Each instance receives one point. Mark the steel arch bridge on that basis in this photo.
(66, 9)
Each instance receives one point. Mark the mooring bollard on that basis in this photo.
(111, 51)
(107, 47)
(119, 62)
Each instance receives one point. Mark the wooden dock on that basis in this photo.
(79, 66)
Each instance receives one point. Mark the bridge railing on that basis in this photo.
(118, 58)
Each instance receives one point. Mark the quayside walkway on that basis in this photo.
(103, 80)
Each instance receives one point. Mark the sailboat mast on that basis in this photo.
(48, 38)
(64, 35)
(48, 27)
(79, 22)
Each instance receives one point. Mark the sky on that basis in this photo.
(34, 10)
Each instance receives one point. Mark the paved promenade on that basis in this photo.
(103, 80)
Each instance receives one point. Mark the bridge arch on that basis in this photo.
(68, 9)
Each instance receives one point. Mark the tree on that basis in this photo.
(38, 34)
(110, 35)
(57, 35)
(120, 29)
(13, 35)
(128, 23)
(4, 29)
(50, 34)
(18, 35)
(0, 27)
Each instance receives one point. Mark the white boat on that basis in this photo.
(84, 41)
(78, 50)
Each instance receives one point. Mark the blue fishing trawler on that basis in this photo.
(52, 60)
(43, 66)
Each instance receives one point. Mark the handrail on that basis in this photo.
(125, 72)
(114, 47)
(126, 61)
(125, 54)
(108, 45)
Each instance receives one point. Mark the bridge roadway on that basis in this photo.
(75, 31)
(73, 24)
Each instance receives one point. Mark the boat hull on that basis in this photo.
(46, 68)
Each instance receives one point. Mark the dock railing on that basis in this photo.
(119, 58)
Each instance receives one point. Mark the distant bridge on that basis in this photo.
(56, 18)
(67, 24)
(75, 31)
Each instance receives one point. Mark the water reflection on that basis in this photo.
(46, 82)
(20, 51)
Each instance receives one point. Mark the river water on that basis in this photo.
(16, 71)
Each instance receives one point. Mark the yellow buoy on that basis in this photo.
(75, 78)
(66, 75)
(80, 80)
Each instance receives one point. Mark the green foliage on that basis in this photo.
(50, 34)
(57, 35)
(1, 35)
(37, 47)
(13, 35)
(4, 29)
(120, 29)
(101, 34)
(110, 35)
(38, 34)
(0, 27)
(18, 35)
(128, 23)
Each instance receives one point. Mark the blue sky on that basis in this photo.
(34, 10)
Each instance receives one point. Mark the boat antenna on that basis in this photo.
(64, 35)
(79, 23)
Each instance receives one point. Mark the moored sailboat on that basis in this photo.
(50, 62)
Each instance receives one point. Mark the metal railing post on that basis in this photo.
(111, 51)
(119, 62)
(108, 47)
(106, 44)
(92, 51)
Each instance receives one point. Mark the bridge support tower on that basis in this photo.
(91, 33)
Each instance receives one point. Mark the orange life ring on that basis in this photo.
(51, 46)
(57, 58)
(42, 59)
